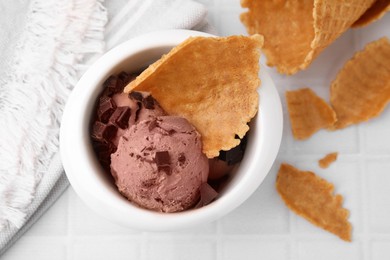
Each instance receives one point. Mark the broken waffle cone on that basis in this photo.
(210, 81)
(328, 160)
(375, 12)
(312, 197)
(361, 89)
(295, 32)
(308, 113)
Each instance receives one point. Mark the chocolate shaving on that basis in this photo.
(163, 161)
(102, 132)
(148, 102)
(120, 117)
(149, 183)
(137, 112)
(152, 125)
(105, 109)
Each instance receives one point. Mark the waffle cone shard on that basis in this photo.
(296, 32)
(197, 80)
(327, 160)
(361, 89)
(308, 113)
(312, 198)
(374, 13)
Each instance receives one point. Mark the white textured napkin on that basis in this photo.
(45, 47)
(45, 42)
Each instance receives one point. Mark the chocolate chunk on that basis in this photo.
(232, 156)
(110, 86)
(110, 132)
(163, 161)
(123, 79)
(181, 159)
(159, 200)
(124, 76)
(97, 131)
(235, 154)
(116, 84)
(137, 96)
(149, 183)
(162, 158)
(105, 109)
(102, 132)
(148, 102)
(120, 117)
(152, 125)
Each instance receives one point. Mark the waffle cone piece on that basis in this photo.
(212, 82)
(295, 32)
(361, 89)
(312, 197)
(375, 12)
(308, 113)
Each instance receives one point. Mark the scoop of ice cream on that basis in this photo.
(159, 164)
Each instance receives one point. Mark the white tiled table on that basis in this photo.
(262, 228)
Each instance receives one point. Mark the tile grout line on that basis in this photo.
(292, 248)
(363, 191)
(362, 175)
(289, 155)
(265, 236)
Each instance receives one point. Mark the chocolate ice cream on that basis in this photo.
(159, 164)
(156, 160)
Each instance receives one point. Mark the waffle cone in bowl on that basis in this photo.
(296, 32)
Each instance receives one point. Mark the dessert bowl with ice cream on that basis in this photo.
(164, 132)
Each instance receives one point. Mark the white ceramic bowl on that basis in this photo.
(95, 187)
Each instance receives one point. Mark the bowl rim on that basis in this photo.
(100, 199)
